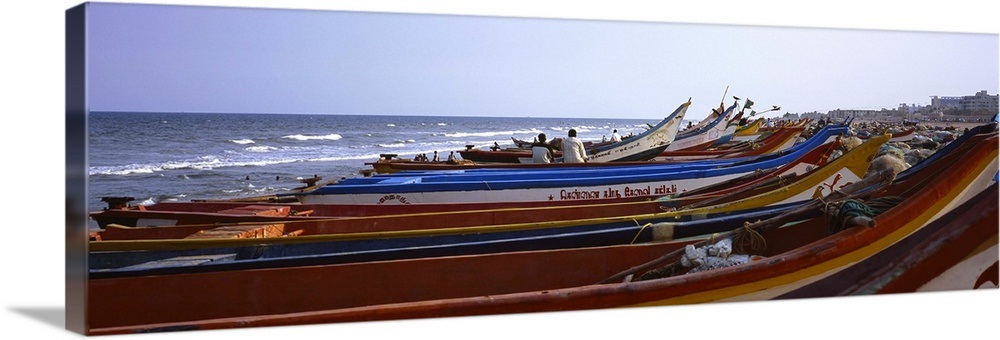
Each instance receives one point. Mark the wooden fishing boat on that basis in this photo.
(956, 251)
(220, 212)
(795, 252)
(541, 185)
(846, 169)
(749, 132)
(641, 147)
(711, 117)
(693, 138)
(779, 140)
(727, 135)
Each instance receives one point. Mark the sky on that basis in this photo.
(214, 59)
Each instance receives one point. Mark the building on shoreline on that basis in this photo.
(979, 107)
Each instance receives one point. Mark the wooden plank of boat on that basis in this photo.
(795, 255)
(844, 170)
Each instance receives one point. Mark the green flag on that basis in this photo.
(748, 104)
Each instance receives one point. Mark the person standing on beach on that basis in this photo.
(572, 149)
(541, 152)
(615, 137)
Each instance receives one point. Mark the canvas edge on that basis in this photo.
(76, 165)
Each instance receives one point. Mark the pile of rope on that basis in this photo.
(839, 213)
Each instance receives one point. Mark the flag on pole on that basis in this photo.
(748, 104)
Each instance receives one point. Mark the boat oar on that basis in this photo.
(866, 186)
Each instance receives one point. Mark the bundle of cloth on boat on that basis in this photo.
(839, 213)
(714, 256)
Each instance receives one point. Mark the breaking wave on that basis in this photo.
(333, 136)
(261, 148)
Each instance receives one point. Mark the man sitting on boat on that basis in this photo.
(572, 148)
(541, 152)
(615, 137)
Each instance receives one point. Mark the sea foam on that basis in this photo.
(394, 145)
(261, 148)
(333, 136)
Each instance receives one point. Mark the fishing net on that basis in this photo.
(838, 214)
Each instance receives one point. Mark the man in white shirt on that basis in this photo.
(541, 152)
(572, 149)
(615, 137)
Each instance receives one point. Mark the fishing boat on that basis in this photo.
(792, 252)
(541, 185)
(956, 251)
(749, 132)
(231, 212)
(693, 138)
(640, 147)
(774, 142)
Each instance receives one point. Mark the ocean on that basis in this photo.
(159, 157)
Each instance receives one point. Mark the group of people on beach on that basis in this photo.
(423, 158)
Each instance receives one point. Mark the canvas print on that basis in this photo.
(255, 167)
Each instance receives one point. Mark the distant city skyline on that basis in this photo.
(212, 59)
